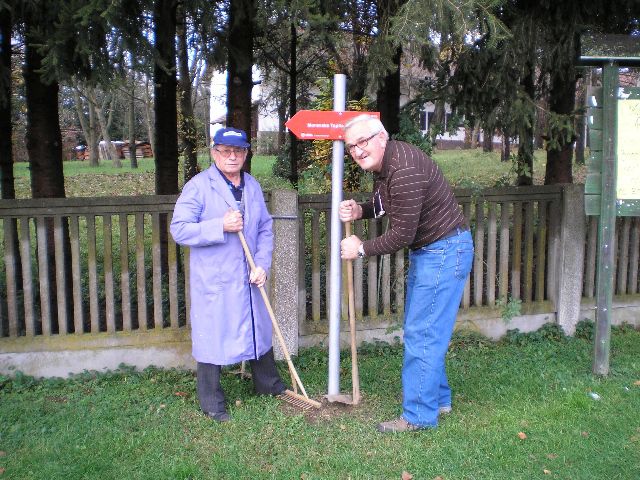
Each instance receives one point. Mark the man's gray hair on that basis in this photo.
(372, 122)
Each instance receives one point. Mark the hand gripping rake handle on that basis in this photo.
(276, 328)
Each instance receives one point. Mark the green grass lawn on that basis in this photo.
(463, 168)
(523, 409)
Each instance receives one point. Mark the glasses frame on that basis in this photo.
(361, 144)
(237, 151)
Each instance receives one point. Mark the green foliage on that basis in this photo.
(316, 156)
(585, 329)
(548, 332)
(560, 130)
(512, 307)
(409, 128)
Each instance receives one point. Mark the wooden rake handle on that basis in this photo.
(355, 375)
(276, 327)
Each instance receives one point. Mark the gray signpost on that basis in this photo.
(614, 127)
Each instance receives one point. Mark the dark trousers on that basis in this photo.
(264, 373)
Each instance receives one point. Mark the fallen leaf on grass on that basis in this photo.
(3, 453)
(181, 394)
(584, 434)
(438, 478)
(406, 475)
(522, 435)
(637, 383)
(546, 472)
(343, 427)
(552, 456)
(238, 403)
(1, 471)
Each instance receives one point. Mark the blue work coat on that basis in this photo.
(229, 320)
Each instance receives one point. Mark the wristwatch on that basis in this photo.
(361, 251)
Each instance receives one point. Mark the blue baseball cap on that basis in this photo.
(232, 137)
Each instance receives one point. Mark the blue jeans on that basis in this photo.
(437, 274)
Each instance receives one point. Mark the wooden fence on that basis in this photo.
(86, 267)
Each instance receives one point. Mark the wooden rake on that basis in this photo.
(292, 397)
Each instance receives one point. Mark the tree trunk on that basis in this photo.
(240, 62)
(505, 151)
(293, 103)
(487, 140)
(282, 111)
(166, 112)
(44, 147)
(562, 98)
(388, 96)
(474, 134)
(6, 127)
(133, 158)
(148, 116)
(187, 119)
(94, 138)
(524, 167)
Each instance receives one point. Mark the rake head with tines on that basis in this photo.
(299, 401)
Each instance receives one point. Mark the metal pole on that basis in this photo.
(335, 288)
(606, 221)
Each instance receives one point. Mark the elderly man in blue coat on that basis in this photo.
(229, 321)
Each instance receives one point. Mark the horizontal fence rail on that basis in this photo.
(85, 266)
(90, 265)
(515, 233)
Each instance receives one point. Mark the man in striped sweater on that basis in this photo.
(424, 216)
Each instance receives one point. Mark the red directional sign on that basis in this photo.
(322, 124)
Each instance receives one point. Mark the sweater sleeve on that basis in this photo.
(407, 191)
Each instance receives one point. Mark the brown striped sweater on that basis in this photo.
(415, 196)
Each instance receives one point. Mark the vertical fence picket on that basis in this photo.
(466, 295)
(385, 278)
(590, 258)
(172, 258)
(623, 255)
(107, 233)
(156, 260)
(27, 278)
(516, 252)
(478, 261)
(315, 265)
(61, 274)
(372, 275)
(492, 233)
(528, 252)
(76, 275)
(93, 274)
(141, 283)
(634, 245)
(358, 276)
(125, 287)
(541, 247)
(327, 280)
(10, 262)
(43, 276)
(398, 281)
(302, 284)
(503, 276)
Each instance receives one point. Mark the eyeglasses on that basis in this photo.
(360, 143)
(226, 153)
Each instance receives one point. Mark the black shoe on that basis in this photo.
(218, 416)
